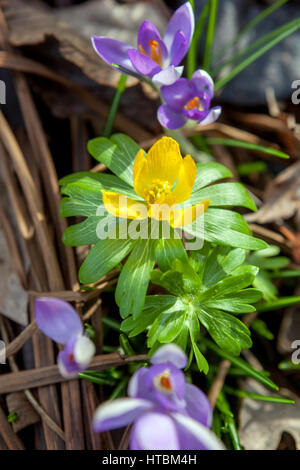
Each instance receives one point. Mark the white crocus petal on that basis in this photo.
(119, 413)
(63, 371)
(212, 116)
(168, 76)
(84, 350)
(170, 353)
(200, 432)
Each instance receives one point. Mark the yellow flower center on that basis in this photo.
(155, 49)
(163, 383)
(157, 191)
(194, 103)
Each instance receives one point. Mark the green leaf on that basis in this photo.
(228, 331)
(172, 281)
(277, 303)
(243, 278)
(118, 153)
(224, 194)
(202, 363)
(115, 103)
(241, 364)
(84, 233)
(167, 326)
(154, 305)
(134, 278)
(168, 250)
(103, 257)
(210, 34)
(247, 145)
(221, 261)
(85, 199)
(239, 302)
(257, 396)
(208, 173)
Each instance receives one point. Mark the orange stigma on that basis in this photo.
(165, 382)
(71, 357)
(155, 48)
(194, 103)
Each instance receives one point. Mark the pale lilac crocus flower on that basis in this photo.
(58, 320)
(155, 57)
(188, 100)
(167, 412)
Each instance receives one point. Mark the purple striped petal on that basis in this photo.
(194, 436)
(118, 413)
(142, 63)
(179, 48)
(169, 399)
(197, 114)
(148, 32)
(168, 76)
(178, 94)
(170, 353)
(182, 20)
(169, 118)
(197, 405)
(154, 431)
(113, 51)
(57, 319)
(203, 82)
(212, 116)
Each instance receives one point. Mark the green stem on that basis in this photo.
(191, 62)
(114, 106)
(210, 33)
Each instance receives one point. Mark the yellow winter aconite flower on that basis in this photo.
(162, 178)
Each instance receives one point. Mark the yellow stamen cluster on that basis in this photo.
(157, 191)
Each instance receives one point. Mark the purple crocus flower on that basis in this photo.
(154, 57)
(58, 320)
(167, 412)
(188, 99)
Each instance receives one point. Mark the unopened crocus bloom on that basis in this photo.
(155, 57)
(167, 412)
(188, 100)
(58, 320)
(162, 179)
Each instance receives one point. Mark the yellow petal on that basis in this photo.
(185, 181)
(140, 173)
(182, 217)
(164, 160)
(122, 206)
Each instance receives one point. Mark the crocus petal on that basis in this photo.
(67, 359)
(179, 48)
(119, 413)
(84, 350)
(203, 82)
(142, 63)
(164, 160)
(186, 180)
(57, 319)
(113, 51)
(137, 386)
(170, 118)
(183, 217)
(178, 94)
(212, 116)
(194, 436)
(183, 19)
(147, 33)
(197, 405)
(168, 76)
(171, 399)
(154, 431)
(124, 207)
(170, 353)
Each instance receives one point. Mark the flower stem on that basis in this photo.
(114, 106)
